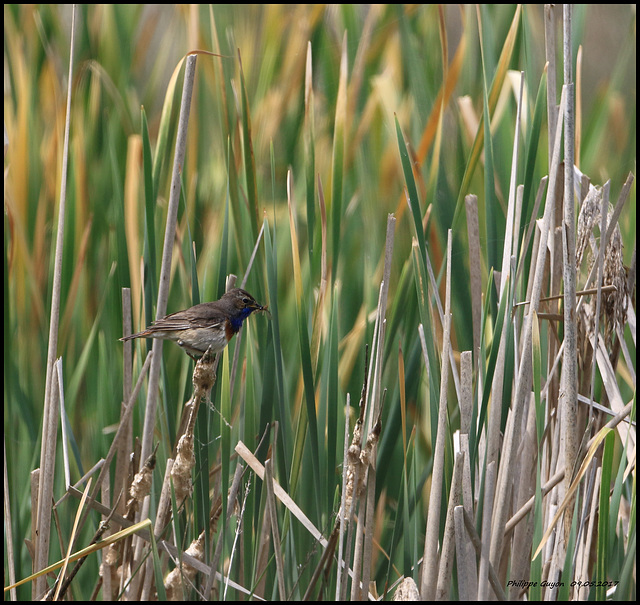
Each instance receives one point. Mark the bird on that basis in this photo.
(210, 324)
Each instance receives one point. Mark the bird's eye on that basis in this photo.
(246, 301)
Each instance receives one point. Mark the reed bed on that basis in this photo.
(437, 204)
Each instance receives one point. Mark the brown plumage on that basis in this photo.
(210, 324)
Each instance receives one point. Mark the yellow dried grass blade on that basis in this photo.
(568, 499)
(124, 533)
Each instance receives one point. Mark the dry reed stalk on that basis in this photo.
(50, 414)
(430, 561)
(569, 394)
(275, 532)
(465, 554)
(523, 384)
(343, 496)
(163, 283)
(523, 532)
(167, 252)
(162, 518)
(550, 46)
(484, 569)
(234, 491)
(125, 443)
(375, 408)
(475, 271)
(445, 572)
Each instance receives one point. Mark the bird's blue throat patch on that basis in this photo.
(236, 322)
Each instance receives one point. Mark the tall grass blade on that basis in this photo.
(604, 535)
(310, 152)
(249, 160)
(333, 418)
(307, 420)
(412, 193)
(490, 201)
(268, 409)
(337, 162)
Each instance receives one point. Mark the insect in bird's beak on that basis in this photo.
(265, 310)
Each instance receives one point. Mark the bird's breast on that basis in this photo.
(231, 328)
(198, 340)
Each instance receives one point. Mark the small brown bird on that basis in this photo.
(210, 324)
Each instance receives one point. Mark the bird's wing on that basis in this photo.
(198, 316)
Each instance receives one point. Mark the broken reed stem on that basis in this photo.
(448, 539)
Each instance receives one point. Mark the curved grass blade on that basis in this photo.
(531, 149)
(412, 192)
